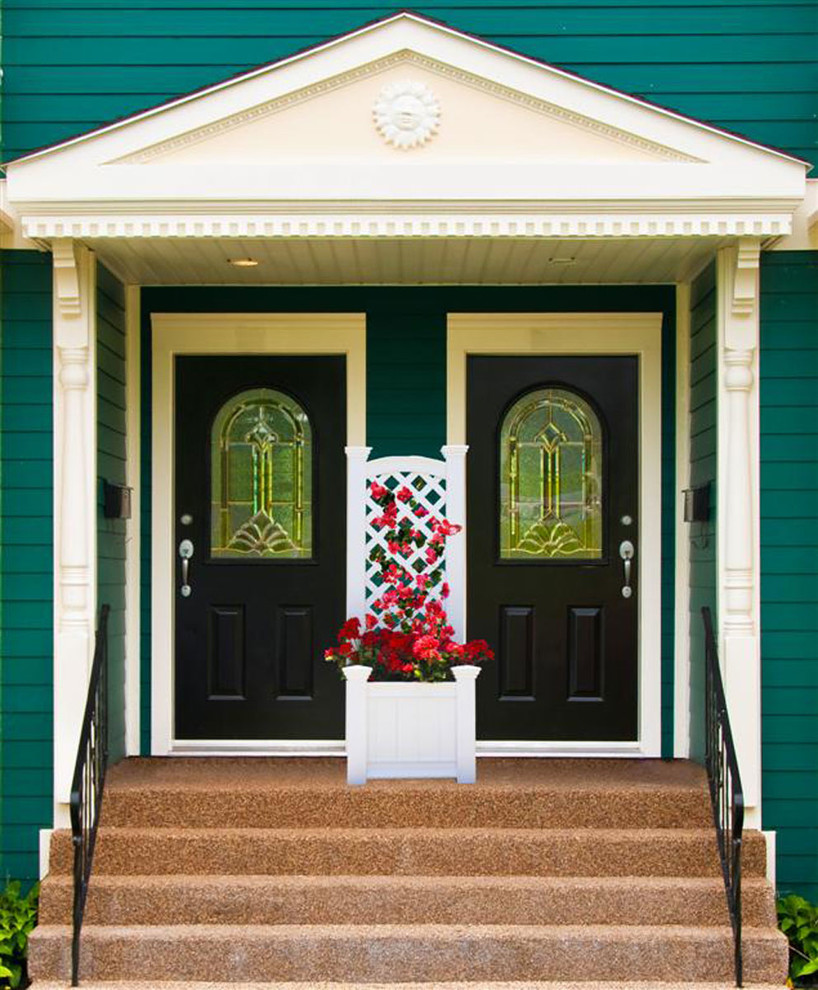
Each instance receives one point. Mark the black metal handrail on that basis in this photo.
(89, 782)
(726, 795)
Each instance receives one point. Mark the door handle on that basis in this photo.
(185, 552)
(626, 552)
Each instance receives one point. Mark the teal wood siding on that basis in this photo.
(111, 465)
(749, 67)
(789, 563)
(703, 455)
(406, 388)
(26, 546)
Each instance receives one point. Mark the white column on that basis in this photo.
(738, 506)
(74, 315)
(356, 529)
(455, 456)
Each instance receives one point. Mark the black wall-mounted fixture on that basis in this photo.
(116, 501)
(697, 503)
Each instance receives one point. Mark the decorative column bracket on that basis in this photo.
(745, 277)
(66, 279)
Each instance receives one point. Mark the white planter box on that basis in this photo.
(399, 729)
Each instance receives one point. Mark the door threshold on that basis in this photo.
(337, 747)
(258, 747)
(561, 748)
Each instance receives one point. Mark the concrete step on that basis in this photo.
(267, 803)
(408, 852)
(516, 793)
(419, 953)
(482, 900)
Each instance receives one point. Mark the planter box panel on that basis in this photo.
(410, 730)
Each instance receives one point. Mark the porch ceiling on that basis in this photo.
(334, 261)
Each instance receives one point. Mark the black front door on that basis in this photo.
(553, 503)
(260, 502)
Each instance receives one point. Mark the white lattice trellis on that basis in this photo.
(437, 485)
(429, 491)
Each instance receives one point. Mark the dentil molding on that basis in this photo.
(590, 223)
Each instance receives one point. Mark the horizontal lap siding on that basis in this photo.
(789, 562)
(26, 553)
(703, 440)
(748, 67)
(111, 466)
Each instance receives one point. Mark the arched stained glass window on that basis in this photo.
(261, 478)
(551, 478)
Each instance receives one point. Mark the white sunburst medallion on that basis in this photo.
(407, 114)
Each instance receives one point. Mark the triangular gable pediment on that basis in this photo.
(337, 117)
(504, 128)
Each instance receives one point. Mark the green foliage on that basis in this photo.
(798, 920)
(18, 916)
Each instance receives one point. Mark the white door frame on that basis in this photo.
(639, 334)
(228, 334)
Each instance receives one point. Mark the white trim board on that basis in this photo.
(639, 334)
(133, 526)
(223, 333)
(681, 652)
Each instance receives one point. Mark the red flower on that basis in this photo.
(403, 494)
(445, 528)
(420, 512)
(377, 491)
(431, 555)
(371, 621)
(351, 629)
(427, 647)
(444, 590)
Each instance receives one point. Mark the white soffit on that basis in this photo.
(512, 142)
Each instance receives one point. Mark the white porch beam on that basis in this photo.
(74, 316)
(738, 506)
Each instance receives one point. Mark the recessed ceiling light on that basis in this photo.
(243, 262)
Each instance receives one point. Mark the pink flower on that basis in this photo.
(420, 512)
(377, 491)
(431, 555)
(445, 528)
(444, 590)
(426, 647)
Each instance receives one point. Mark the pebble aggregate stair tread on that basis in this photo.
(146, 900)
(274, 870)
(481, 985)
(453, 851)
(508, 793)
(423, 953)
